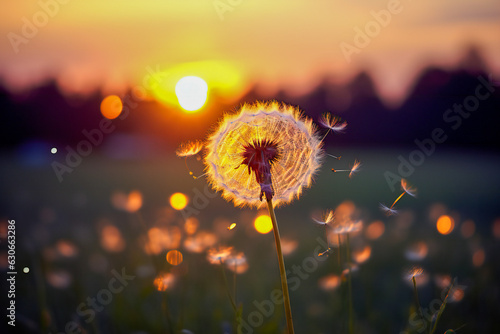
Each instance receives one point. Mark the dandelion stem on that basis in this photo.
(284, 283)
(233, 304)
(417, 302)
(349, 282)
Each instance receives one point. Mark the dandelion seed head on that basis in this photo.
(333, 123)
(412, 191)
(264, 149)
(218, 255)
(190, 148)
(414, 271)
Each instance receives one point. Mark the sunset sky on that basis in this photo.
(112, 45)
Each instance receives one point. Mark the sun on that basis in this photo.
(191, 93)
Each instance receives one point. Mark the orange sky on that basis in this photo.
(291, 44)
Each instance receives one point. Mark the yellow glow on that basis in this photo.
(221, 77)
(178, 201)
(111, 106)
(191, 93)
(230, 227)
(445, 224)
(263, 224)
(174, 257)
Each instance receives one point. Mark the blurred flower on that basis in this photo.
(273, 142)
(164, 281)
(218, 255)
(199, 242)
(416, 251)
(332, 123)
(59, 278)
(288, 246)
(188, 149)
(111, 239)
(237, 263)
(329, 283)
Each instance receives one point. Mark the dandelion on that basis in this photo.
(237, 263)
(189, 149)
(407, 189)
(264, 150)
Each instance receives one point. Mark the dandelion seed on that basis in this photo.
(327, 218)
(354, 169)
(273, 142)
(189, 149)
(408, 189)
(325, 253)
(232, 226)
(388, 211)
(333, 156)
(332, 123)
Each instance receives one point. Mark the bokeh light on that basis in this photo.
(111, 239)
(375, 230)
(496, 228)
(329, 283)
(445, 224)
(174, 257)
(191, 225)
(468, 228)
(111, 107)
(263, 224)
(26, 270)
(362, 255)
(164, 281)
(417, 251)
(478, 258)
(178, 201)
(191, 93)
(53, 150)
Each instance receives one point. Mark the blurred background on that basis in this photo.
(95, 97)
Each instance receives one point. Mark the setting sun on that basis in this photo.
(191, 93)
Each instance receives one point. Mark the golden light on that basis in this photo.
(445, 224)
(174, 257)
(134, 201)
(178, 201)
(111, 239)
(192, 93)
(375, 230)
(111, 106)
(263, 224)
(191, 225)
(222, 77)
(232, 226)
